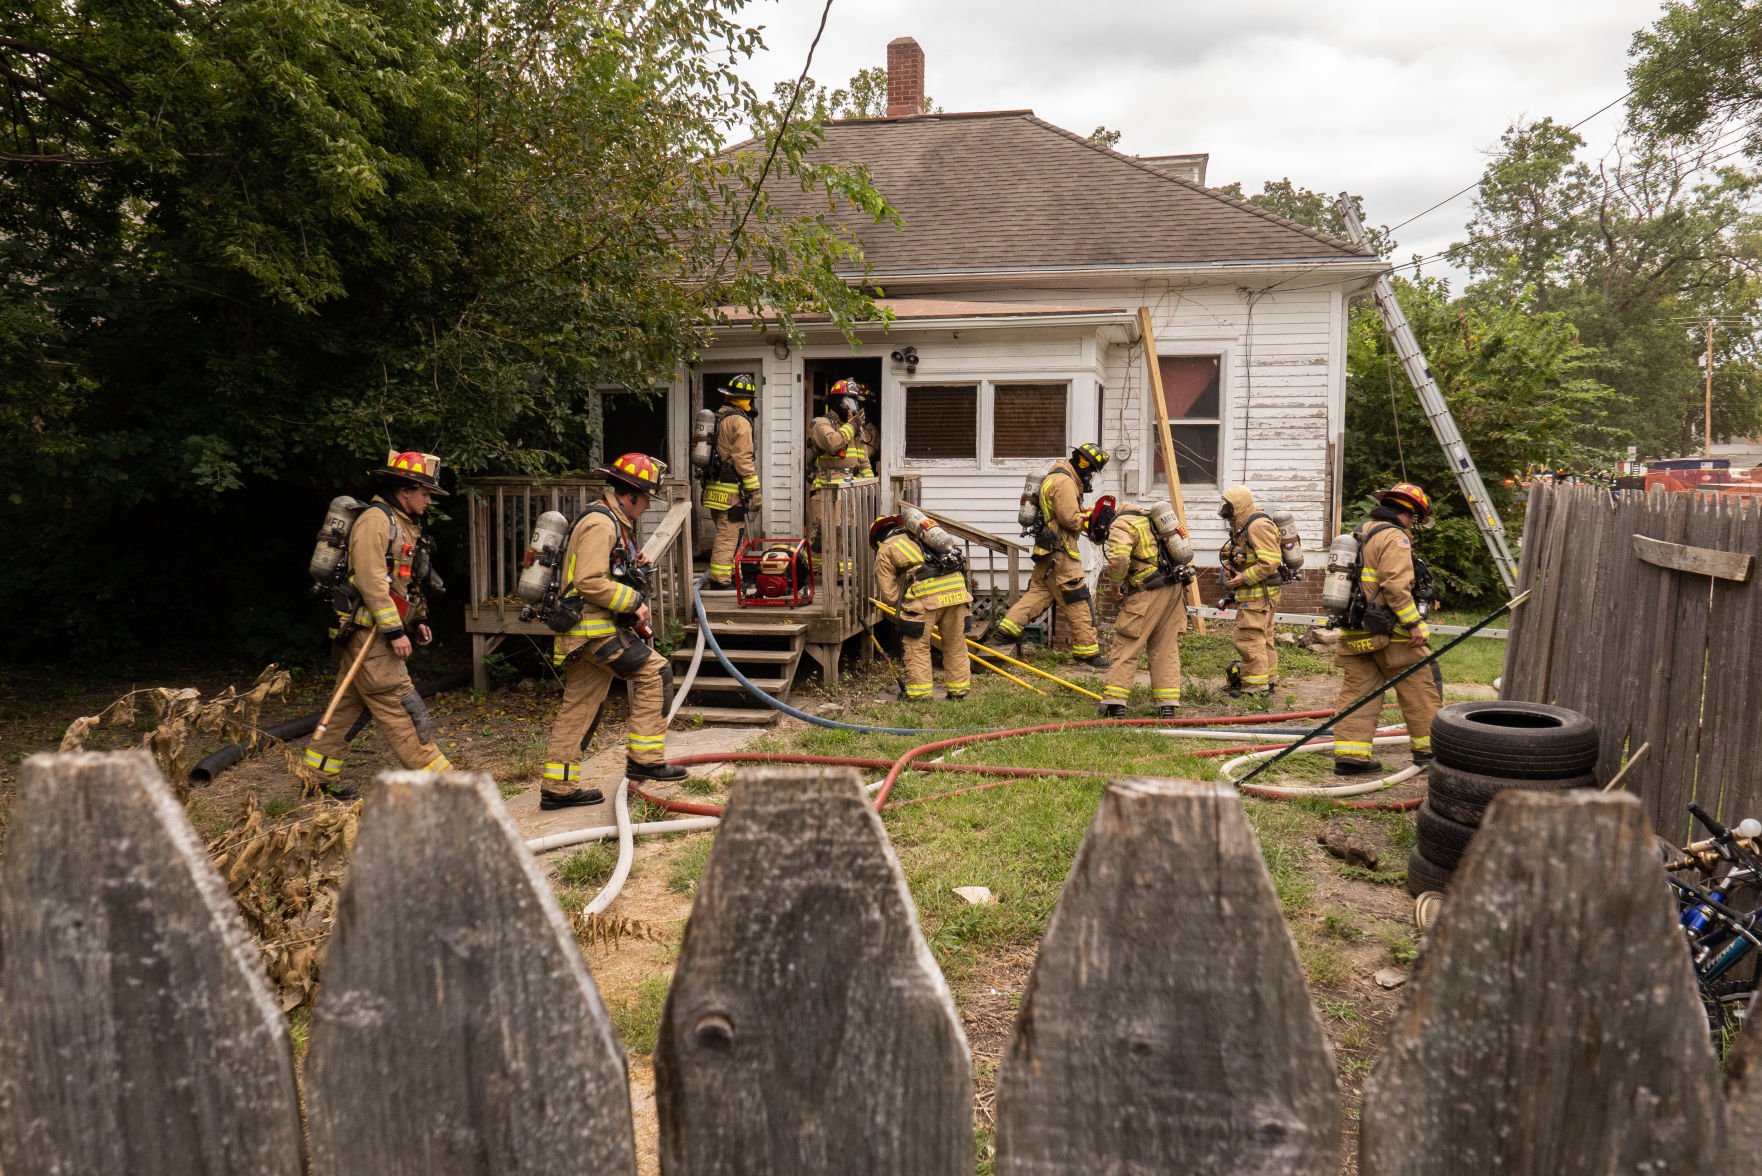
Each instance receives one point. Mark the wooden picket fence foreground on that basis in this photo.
(1550, 1026)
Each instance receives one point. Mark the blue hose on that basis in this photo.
(703, 621)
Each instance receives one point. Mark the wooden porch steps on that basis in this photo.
(768, 651)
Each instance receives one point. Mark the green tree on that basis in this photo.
(1697, 72)
(1518, 384)
(1637, 251)
(864, 96)
(244, 244)
(1314, 210)
(1103, 137)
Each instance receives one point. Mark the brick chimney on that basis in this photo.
(905, 78)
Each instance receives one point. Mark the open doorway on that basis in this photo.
(818, 376)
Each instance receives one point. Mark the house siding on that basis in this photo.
(1283, 390)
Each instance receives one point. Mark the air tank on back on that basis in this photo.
(1167, 526)
(925, 530)
(1336, 594)
(544, 551)
(333, 538)
(703, 435)
(1028, 513)
(1290, 542)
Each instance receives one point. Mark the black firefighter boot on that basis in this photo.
(659, 772)
(1113, 710)
(1169, 711)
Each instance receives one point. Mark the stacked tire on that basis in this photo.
(1481, 749)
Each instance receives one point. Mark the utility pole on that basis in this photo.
(1431, 398)
(1707, 412)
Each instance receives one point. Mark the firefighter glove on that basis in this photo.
(1419, 634)
(755, 500)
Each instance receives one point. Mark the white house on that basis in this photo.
(1015, 287)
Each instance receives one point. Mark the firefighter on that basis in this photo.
(603, 571)
(731, 485)
(1057, 578)
(1391, 636)
(839, 455)
(385, 546)
(1154, 613)
(928, 600)
(1251, 559)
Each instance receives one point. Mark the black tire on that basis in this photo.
(1515, 740)
(1423, 874)
(1465, 796)
(1441, 839)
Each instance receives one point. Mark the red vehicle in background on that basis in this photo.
(1709, 475)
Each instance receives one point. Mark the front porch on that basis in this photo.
(767, 643)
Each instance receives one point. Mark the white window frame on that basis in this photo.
(984, 460)
(1194, 349)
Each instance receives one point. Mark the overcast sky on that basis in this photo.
(1400, 101)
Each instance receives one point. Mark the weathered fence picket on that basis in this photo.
(808, 1029)
(1550, 1028)
(138, 1032)
(1166, 1026)
(1652, 654)
(457, 1029)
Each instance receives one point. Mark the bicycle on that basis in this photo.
(1722, 919)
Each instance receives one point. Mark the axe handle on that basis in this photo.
(354, 667)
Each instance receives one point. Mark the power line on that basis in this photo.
(1687, 60)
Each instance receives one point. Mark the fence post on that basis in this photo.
(1551, 1026)
(138, 1033)
(808, 1030)
(457, 1029)
(1166, 1026)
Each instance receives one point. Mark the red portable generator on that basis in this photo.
(773, 573)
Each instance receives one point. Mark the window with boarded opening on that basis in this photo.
(1190, 389)
(942, 421)
(1028, 420)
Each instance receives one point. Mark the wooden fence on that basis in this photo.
(1550, 1026)
(1634, 621)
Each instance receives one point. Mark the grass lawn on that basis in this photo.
(1479, 659)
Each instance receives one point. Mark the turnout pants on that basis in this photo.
(1255, 646)
(382, 686)
(727, 542)
(585, 684)
(951, 623)
(1364, 672)
(1058, 582)
(1153, 621)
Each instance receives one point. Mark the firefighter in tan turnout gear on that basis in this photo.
(840, 457)
(604, 577)
(928, 590)
(388, 560)
(1252, 559)
(1154, 613)
(731, 484)
(1058, 579)
(1383, 632)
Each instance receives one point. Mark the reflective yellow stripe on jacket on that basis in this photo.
(944, 591)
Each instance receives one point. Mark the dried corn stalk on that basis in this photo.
(285, 877)
(179, 714)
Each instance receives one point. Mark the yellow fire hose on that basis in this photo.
(973, 647)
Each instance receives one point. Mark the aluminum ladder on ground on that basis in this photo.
(1431, 399)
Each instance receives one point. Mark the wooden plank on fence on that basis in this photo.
(457, 1029)
(1619, 636)
(1683, 692)
(1166, 1027)
(1551, 1027)
(1727, 781)
(138, 1033)
(1700, 561)
(1553, 575)
(808, 1030)
(1572, 666)
(1515, 675)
